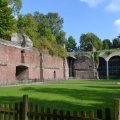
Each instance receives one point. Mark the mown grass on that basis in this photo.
(61, 95)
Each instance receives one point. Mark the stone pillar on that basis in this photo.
(107, 71)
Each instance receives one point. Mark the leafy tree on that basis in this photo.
(107, 44)
(60, 38)
(116, 42)
(16, 5)
(43, 27)
(50, 36)
(71, 44)
(27, 24)
(7, 21)
(89, 41)
(55, 22)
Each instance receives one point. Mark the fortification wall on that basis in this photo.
(84, 68)
(15, 60)
(54, 67)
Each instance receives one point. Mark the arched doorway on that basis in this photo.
(102, 68)
(22, 73)
(114, 67)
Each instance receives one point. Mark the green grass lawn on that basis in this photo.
(61, 95)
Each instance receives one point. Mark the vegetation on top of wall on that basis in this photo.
(96, 56)
(108, 52)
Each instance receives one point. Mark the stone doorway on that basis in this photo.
(22, 73)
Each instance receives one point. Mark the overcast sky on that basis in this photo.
(101, 17)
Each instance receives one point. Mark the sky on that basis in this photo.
(101, 17)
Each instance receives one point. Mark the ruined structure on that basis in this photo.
(83, 66)
(20, 62)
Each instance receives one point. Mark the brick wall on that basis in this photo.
(83, 68)
(53, 67)
(12, 57)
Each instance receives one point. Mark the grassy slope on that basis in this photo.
(65, 96)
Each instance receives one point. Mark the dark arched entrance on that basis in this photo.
(102, 68)
(114, 67)
(21, 73)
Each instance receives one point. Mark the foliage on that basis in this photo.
(96, 56)
(60, 37)
(71, 44)
(108, 52)
(116, 42)
(88, 41)
(107, 44)
(7, 21)
(27, 24)
(55, 22)
(16, 5)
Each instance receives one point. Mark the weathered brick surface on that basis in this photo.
(7, 75)
(11, 58)
(53, 67)
(83, 68)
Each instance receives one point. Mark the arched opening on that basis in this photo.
(114, 67)
(102, 68)
(21, 73)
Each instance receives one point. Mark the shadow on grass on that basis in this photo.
(53, 104)
(92, 98)
(58, 104)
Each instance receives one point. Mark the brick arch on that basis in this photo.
(22, 73)
(114, 67)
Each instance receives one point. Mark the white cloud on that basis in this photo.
(91, 3)
(114, 6)
(117, 25)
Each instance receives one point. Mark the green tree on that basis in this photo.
(71, 44)
(16, 5)
(27, 24)
(116, 42)
(7, 21)
(106, 44)
(55, 22)
(50, 36)
(43, 28)
(60, 38)
(89, 41)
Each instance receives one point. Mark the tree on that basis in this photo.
(116, 42)
(50, 36)
(43, 27)
(7, 21)
(27, 24)
(16, 5)
(55, 22)
(71, 44)
(60, 38)
(107, 44)
(88, 41)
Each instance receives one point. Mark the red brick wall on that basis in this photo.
(7, 75)
(53, 67)
(10, 57)
(83, 68)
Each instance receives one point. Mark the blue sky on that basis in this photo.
(101, 17)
